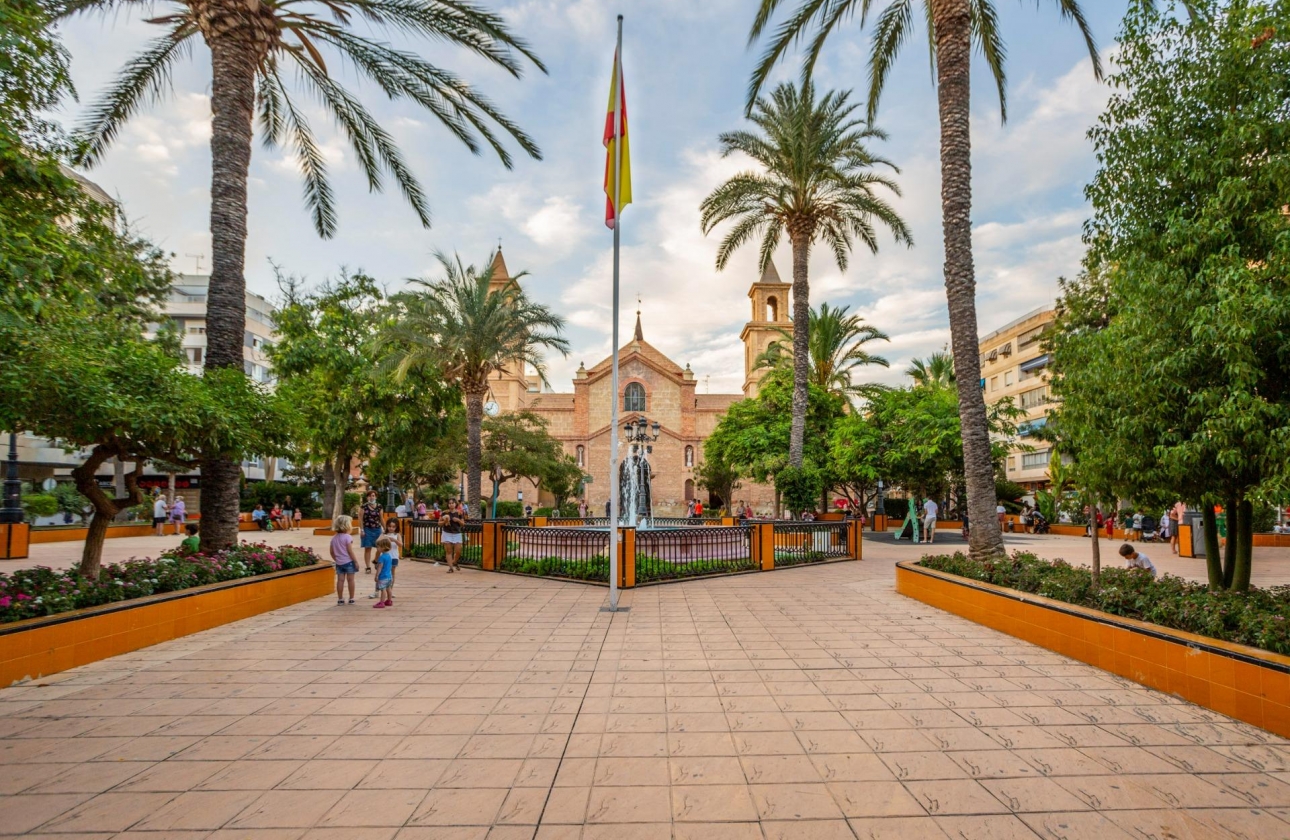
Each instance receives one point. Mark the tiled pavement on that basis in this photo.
(806, 703)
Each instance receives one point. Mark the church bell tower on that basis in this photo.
(510, 389)
(769, 296)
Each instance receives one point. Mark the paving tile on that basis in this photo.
(875, 799)
(988, 827)
(25, 812)
(109, 811)
(1074, 825)
(459, 807)
(198, 810)
(897, 828)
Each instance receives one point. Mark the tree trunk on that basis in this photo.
(953, 27)
(1213, 556)
(474, 455)
(1243, 536)
(233, 65)
(170, 488)
(1097, 551)
(118, 482)
(105, 507)
(801, 347)
(329, 490)
(339, 476)
(1229, 548)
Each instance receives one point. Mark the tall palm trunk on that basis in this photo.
(953, 25)
(801, 241)
(232, 106)
(474, 455)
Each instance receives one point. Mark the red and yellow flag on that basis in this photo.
(612, 207)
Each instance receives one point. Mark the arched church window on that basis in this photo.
(772, 309)
(689, 456)
(634, 397)
(582, 456)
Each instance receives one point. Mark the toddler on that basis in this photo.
(384, 573)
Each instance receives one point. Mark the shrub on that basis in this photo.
(509, 509)
(1256, 618)
(39, 504)
(594, 568)
(799, 487)
(30, 593)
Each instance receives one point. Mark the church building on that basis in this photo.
(652, 387)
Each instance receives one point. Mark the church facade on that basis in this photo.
(652, 387)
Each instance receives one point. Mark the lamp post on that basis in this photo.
(389, 495)
(11, 513)
(642, 432)
(879, 509)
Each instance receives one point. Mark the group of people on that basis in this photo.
(175, 513)
(283, 516)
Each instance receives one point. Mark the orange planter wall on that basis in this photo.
(41, 646)
(1242, 682)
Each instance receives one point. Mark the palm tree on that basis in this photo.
(837, 348)
(467, 332)
(937, 370)
(816, 181)
(953, 27)
(251, 44)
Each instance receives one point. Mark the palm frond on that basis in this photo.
(889, 34)
(145, 79)
(985, 31)
(313, 166)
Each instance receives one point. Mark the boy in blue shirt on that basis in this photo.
(384, 574)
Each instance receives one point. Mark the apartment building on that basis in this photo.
(1014, 365)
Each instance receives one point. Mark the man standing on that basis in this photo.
(1175, 519)
(372, 528)
(930, 509)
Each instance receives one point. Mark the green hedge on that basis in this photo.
(1256, 618)
(596, 568)
(650, 568)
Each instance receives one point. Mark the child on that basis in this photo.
(1136, 559)
(191, 543)
(384, 573)
(1135, 526)
(343, 556)
(396, 546)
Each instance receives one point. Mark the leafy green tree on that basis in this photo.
(836, 342)
(719, 477)
(517, 445)
(815, 181)
(463, 331)
(936, 370)
(251, 45)
(1171, 351)
(954, 27)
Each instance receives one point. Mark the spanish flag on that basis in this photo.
(617, 89)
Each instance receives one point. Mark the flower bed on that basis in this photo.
(32, 593)
(1256, 618)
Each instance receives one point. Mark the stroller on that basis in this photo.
(1039, 522)
(1150, 531)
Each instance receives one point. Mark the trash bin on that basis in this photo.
(1197, 523)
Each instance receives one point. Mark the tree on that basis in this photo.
(836, 342)
(1189, 236)
(953, 27)
(517, 445)
(816, 182)
(456, 326)
(936, 370)
(251, 44)
(719, 477)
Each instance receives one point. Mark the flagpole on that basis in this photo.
(614, 484)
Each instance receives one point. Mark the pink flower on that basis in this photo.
(5, 601)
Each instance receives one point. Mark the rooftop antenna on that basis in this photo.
(707, 384)
(197, 262)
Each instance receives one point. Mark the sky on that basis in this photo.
(686, 67)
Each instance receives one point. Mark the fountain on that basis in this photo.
(635, 503)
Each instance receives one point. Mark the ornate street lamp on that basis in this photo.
(880, 509)
(11, 513)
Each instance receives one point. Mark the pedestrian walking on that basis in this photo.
(421, 509)
(452, 523)
(930, 509)
(1135, 527)
(372, 528)
(178, 514)
(159, 512)
(344, 558)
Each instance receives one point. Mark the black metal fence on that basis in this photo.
(810, 542)
(571, 553)
(689, 552)
(427, 541)
(682, 521)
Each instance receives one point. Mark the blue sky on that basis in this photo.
(686, 69)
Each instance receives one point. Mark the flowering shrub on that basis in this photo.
(29, 593)
(1256, 618)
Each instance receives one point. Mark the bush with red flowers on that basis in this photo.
(31, 593)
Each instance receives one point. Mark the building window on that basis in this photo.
(994, 383)
(634, 397)
(1034, 460)
(194, 355)
(689, 489)
(689, 456)
(1034, 397)
(1012, 463)
(582, 456)
(1007, 379)
(772, 309)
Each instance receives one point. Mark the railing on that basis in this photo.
(810, 542)
(689, 552)
(426, 541)
(556, 552)
(577, 521)
(684, 521)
